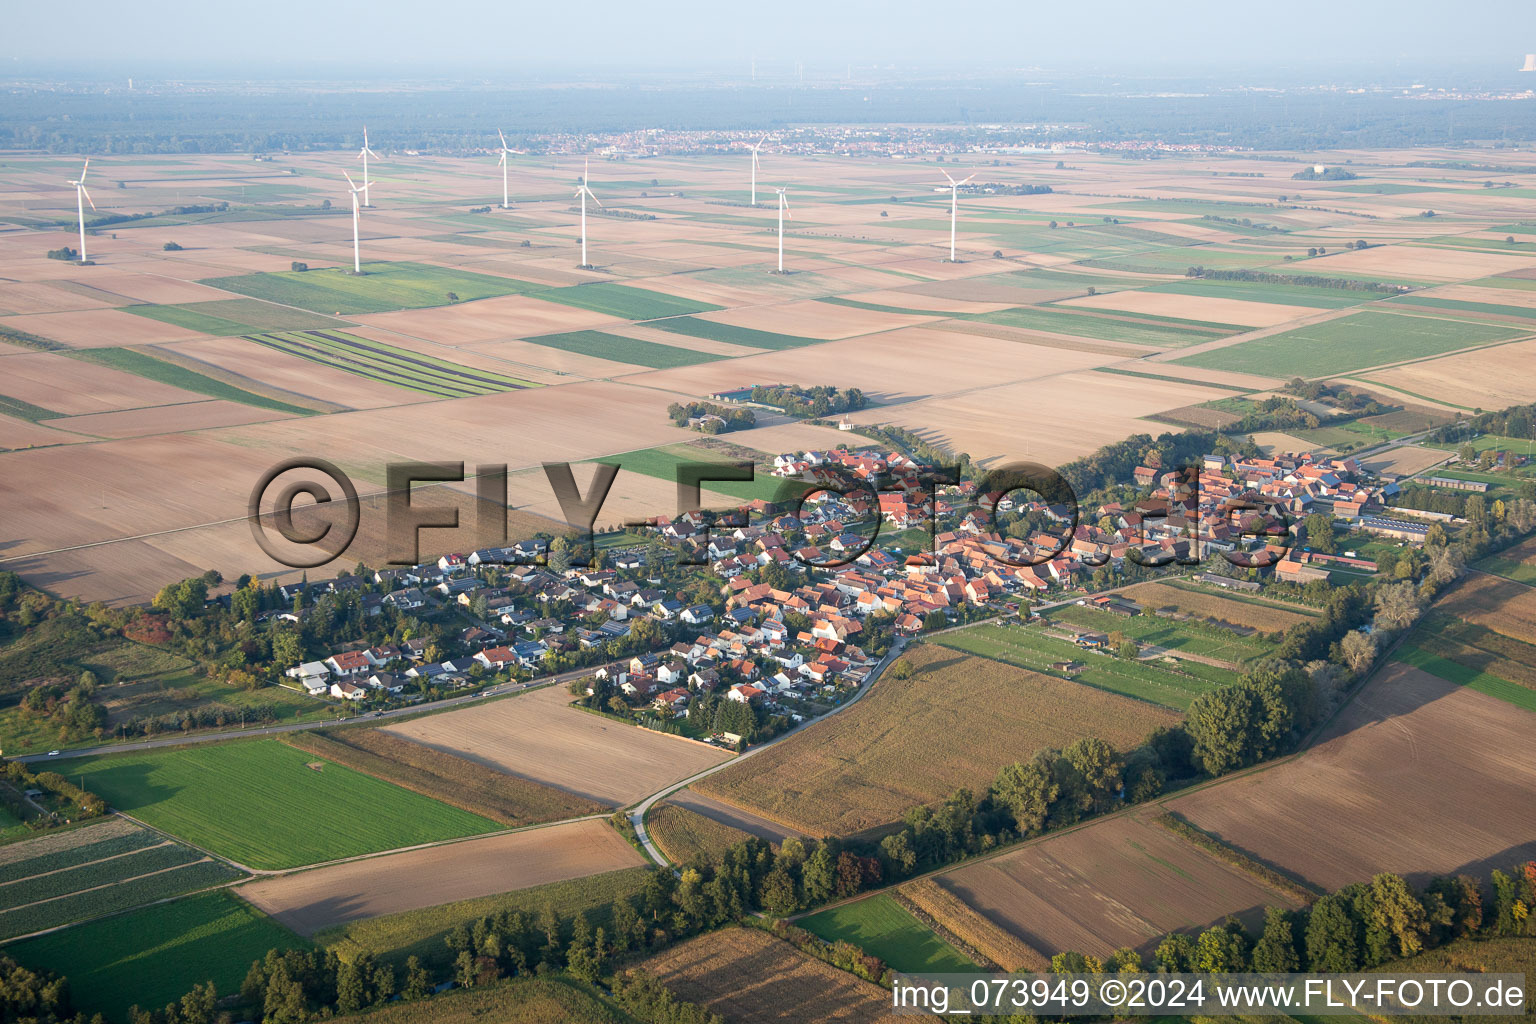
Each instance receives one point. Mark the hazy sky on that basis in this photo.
(164, 38)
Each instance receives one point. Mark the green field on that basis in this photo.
(663, 463)
(389, 365)
(623, 301)
(884, 928)
(152, 956)
(142, 365)
(602, 345)
(380, 288)
(1471, 678)
(730, 334)
(421, 932)
(1282, 294)
(1157, 682)
(257, 803)
(1354, 342)
(1104, 328)
(232, 316)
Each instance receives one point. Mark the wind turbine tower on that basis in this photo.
(81, 198)
(357, 190)
(954, 203)
(754, 168)
(363, 155)
(505, 152)
(583, 191)
(783, 212)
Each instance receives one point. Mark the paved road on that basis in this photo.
(273, 730)
(637, 815)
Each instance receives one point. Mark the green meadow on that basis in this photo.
(259, 803)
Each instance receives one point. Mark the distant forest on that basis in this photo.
(449, 120)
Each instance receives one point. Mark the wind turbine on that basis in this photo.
(502, 163)
(81, 198)
(754, 168)
(954, 202)
(583, 191)
(363, 155)
(783, 212)
(357, 261)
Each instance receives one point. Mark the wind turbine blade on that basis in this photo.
(88, 197)
(946, 176)
(761, 140)
(502, 137)
(502, 162)
(967, 179)
(350, 183)
(85, 168)
(596, 200)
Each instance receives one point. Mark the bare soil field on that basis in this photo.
(149, 286)
(48, 297)
(1405, 460)
(1267, 616)
(167, 419)
(1050, 419)
(1423, 264)
(863, 768)
(17, 434)
(1485, 378)
(308, 901)
(811, 319)
(1504, 606)
(99, 328)
(493, 319)
(1272, 441)
(1120, 882)
(1193, 307)
(750, 977)
(1417, 776)
(539, 737)
(73, 387)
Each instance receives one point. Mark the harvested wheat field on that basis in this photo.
(1501, 605)
(1418, 776)
(99, 328)
(308, 901)
(749, 977)
(539, 736)
(897, 748)
(1255, 613)
(1420, 263)
(1120, 882)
